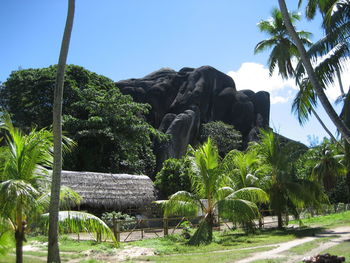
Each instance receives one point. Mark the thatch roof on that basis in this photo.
(114, 191)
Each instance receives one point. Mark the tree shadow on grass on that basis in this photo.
(262, 235)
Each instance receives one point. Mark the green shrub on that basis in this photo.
(224, 135)
(107, 217)
(174, 176)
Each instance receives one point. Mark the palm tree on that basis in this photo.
(284, 188)
(343, 129)
(283, 51)
(283, 48)
(243, 169)
(53, 249)
(333, 45)
(328, 165)
(207, 183)
(22, 165)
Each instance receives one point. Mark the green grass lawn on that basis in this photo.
(343, 249)
(328, 221)
(205, 257)
(226, 247)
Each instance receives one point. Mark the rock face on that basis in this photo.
(182, 101)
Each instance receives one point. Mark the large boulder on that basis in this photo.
(182, 101)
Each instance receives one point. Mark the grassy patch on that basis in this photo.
(275, 260)
(304, 248)
(332, 220)
(225, 241)
(26, 259)
(219, 257)
(343, 249)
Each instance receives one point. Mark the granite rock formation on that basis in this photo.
(182, 101)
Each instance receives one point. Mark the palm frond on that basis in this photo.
(181, 203)
(238, 210)
(252, 194)
(76, 221)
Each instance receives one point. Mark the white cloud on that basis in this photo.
(256, 77)
(279, 99)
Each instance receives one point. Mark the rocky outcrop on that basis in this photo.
(182, 101)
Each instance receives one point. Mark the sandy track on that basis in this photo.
(343, 232)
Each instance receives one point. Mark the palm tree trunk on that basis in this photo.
(323, 125)
(342, 93)
(19, 246)
(19, 235)
(279, 220)
(343, 129)
(315, 113)
(53, 249)
(210, 222)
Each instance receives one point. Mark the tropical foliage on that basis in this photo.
(208, 183)
(223, 135)
(174, 176)
(23, 164)
(24, 184)
(111, 134)
(287, 192)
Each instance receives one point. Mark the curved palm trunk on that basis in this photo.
(53, 249)
(204, 232)
(323, 125)
(341, 87)
(343, 129)
(316, 115)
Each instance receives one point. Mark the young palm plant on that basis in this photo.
(24, 161)
(284, 188)
(208, 183)
(24, 182)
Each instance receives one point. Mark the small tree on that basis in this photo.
(174, 176)
(223, 135)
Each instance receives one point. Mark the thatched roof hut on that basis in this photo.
(110, 191)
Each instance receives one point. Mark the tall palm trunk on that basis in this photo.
(343, 129)
(19, 235)
(341, 87)
(53, 249)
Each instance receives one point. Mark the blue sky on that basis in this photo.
(129, 39)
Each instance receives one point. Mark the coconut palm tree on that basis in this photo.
(342, 128)
(53, 249)
(24, 161)
(283, 49)
(208, 183)
(284, 188)
(282, 54)
(24, 182)
(334, 45)
(328, 165)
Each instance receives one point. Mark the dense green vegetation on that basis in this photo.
(224, 136)
(108, 127)
(111, 135)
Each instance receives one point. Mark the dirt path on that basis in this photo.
(343, 232)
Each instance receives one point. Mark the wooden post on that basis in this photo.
(141, 229)
(116, 229)
(166, 226)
